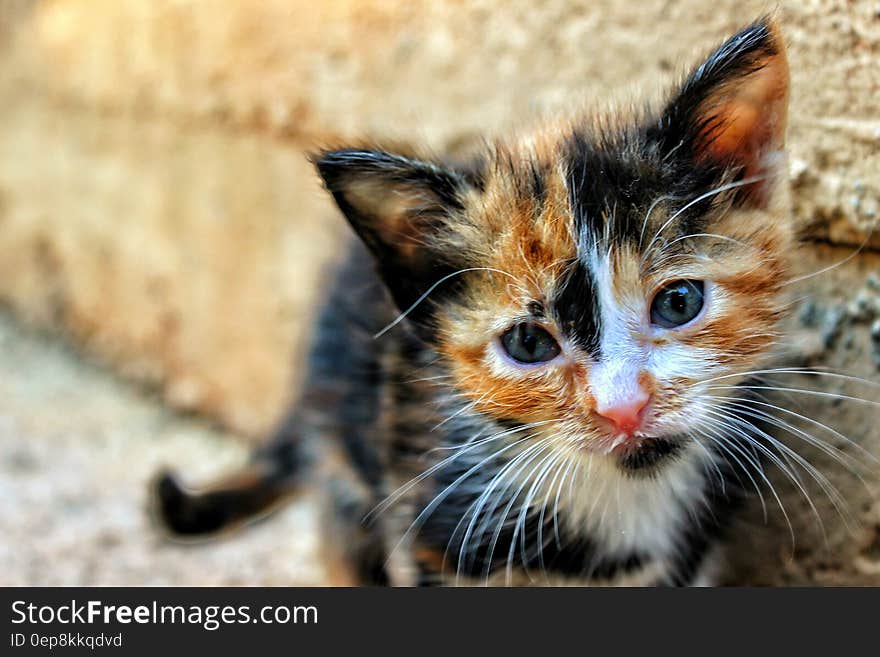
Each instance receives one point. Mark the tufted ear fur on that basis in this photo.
(400, 207)
(730, 113)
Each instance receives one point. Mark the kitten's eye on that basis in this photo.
(677, 303)
(529, 343)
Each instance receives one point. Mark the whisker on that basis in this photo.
(574, 475)
(795, 370)
(724, 443)
(701, 197)
(827, 487)
(438, 499)
(428, 378)
(805, 418)
(712, 235)
(476, 509)
(650, 211)
(817, 393)
(824, 270)
(464, 409)
(500, 526)
(507, 472)
(433, 287)
(833, 494)
(710, 457)
(554, 458)
(541, 515)
(467, 447)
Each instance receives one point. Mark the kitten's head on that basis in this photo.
(602, 276)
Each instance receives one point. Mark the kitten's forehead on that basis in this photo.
(606, 189)
(611, 184)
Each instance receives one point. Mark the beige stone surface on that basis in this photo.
(157, 210)
(445, 71)
(187, 258)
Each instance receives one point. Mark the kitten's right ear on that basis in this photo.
(400, 207)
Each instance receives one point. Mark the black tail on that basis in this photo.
(271, 477)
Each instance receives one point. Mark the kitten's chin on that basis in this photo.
(646, 455)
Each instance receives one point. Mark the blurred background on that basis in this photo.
(163, 241)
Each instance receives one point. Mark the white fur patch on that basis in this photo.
(623, 514)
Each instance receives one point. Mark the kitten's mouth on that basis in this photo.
(641, 454)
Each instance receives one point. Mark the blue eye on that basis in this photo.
(529, 343)
(677, 303)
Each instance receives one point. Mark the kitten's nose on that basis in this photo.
(626, 413)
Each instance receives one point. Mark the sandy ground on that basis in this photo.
(77, 448)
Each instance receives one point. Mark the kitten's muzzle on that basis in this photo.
(626, 413)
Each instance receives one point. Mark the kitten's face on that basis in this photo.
(602, 283)
(612, 301)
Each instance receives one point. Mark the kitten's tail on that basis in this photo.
(270, 478)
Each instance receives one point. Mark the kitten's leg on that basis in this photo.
(353, 552)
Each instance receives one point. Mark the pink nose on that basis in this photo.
(626, 414)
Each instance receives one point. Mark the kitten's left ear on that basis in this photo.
(731, 111)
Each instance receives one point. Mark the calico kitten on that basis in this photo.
(511, 379)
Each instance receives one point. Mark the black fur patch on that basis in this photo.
(615, 182)
(576, 307)
(649, 453)
(607, 180)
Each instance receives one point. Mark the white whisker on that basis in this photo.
(701, 197)
(433, 287)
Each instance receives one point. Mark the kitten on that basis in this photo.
(512, 378)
